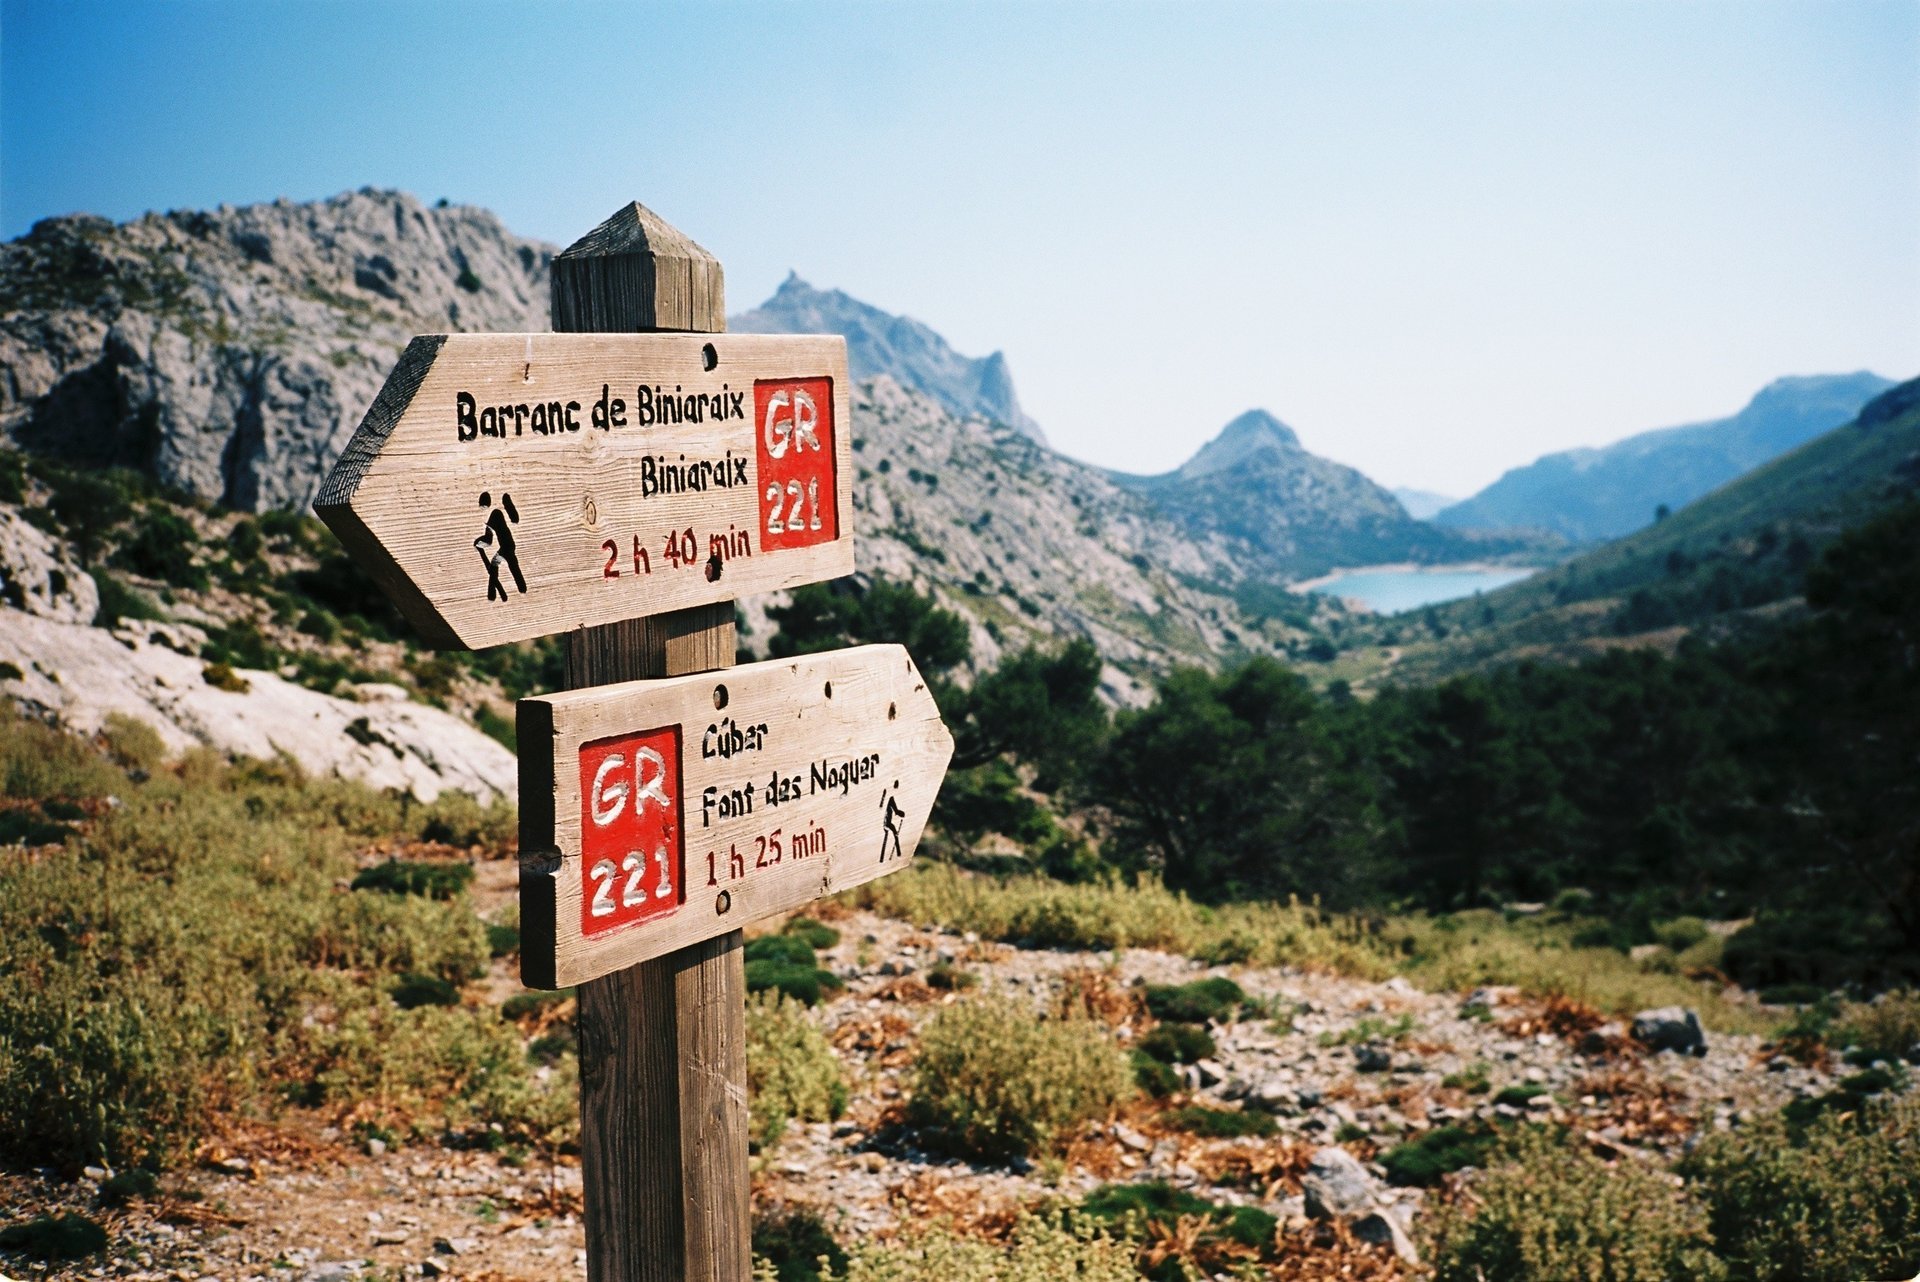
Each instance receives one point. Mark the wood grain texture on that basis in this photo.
(663, 1045)
(829, 783)
(458, 463)
(637, 272)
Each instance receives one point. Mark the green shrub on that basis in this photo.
(1835, 1202)
(786, 964)
(1519, 1096)
(817, 933)
(132, 743)
(119, 601)
(1221, 1123)
(1550, 1212)
(411, 1069)
(996, 1080)
(1104, 915)
(38, 763)
(412, 990)
(67, 1237)
(161, 546)
(1041, 1248)
(1179, 1044)
(1475, 1079)
(129, 1186)
(455, 819)
(949, 978)
(791, 1243)
(1156, 1201)
(787, 949)
(503, 940)
(1371, 1030)
(1680, 934)
(406, 877)
(1887, 1028)
(1218, 999)
(1848, 1096)
(804, 984)
(791, 1070)
(195, 951)
(221, 676)
(26, 828)
(1422, 1160)
(1153, 1076)
(496, 727)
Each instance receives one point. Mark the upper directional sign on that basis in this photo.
(656, 814)
(507, 486)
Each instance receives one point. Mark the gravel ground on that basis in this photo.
(294, 1199)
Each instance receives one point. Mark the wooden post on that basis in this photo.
(663, 1106)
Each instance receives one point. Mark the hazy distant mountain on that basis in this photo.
(1422, 504)
(1744, 547)
(881, 343)
(1302, 514)
(1591, 494)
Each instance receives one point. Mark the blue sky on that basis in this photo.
(1438, 239)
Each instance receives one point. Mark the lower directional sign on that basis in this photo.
(656, 814)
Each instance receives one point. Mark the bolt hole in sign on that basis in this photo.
(795, 447)
(630, 829)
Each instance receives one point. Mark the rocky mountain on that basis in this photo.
(1297, 514)
(1590, 494)
(230, 353)
(881, 343)
(61, 669)
(1030, 545)
(1422, 504)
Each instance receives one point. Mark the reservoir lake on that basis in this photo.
(1389, 589)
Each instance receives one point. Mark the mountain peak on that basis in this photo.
(880, 342)
(1254, 432)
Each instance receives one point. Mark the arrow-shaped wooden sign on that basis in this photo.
(656, 814)
(507, 486)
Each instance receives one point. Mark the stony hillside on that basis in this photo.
(1348, 1107)
(1297, 513)
(1590, 494)
(881, 343)
(1031, 545)
(230, 353)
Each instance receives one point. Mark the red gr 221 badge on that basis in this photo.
(794, 440)
(631, 845)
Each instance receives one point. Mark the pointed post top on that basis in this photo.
(636, 272)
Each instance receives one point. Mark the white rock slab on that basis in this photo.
(77, 675)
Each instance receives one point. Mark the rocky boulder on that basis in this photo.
(1670, 1028)
(76, 676)
(39, 577)
(1337, 1186)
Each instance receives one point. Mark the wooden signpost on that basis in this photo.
(507, 486)
(621, 481)
(669, 811)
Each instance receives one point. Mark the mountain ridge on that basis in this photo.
(229, 355)
(880, 342)
(1603, 492)
(1300, 514)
